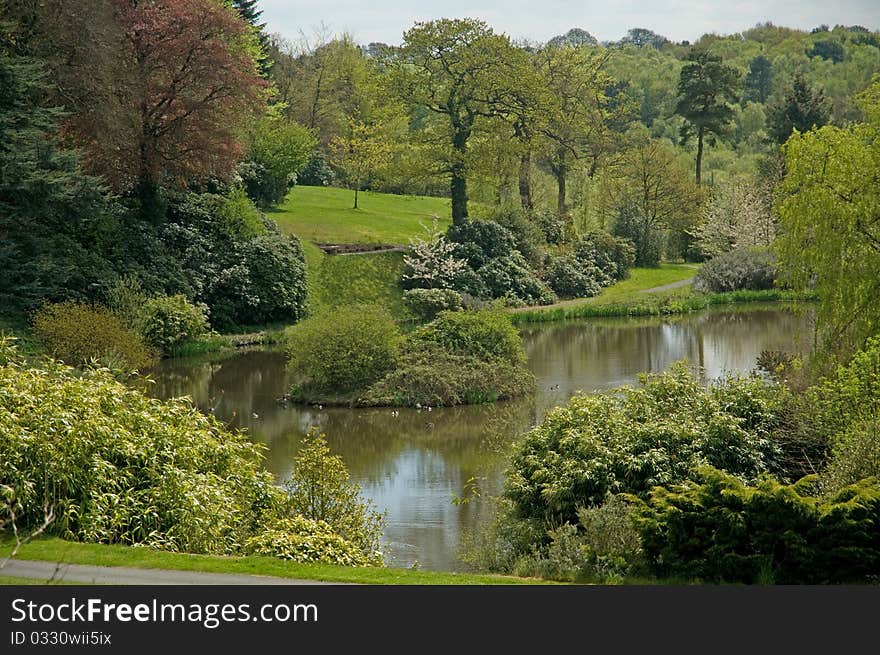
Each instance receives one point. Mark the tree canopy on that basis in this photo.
(829, 207)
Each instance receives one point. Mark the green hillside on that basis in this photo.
(325, 215)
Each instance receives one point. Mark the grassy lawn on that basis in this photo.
(325, 215)
(341, 280)
(628, 298)
(640, 279)
(56, 550)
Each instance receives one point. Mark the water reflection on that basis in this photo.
(413, 464)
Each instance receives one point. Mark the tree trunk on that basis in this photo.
(559, 172)
(525, 181)
(356, 187)
(699, 153)
(458, 170)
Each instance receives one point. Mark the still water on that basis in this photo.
(415, 463)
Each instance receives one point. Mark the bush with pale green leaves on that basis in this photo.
(341, 350)
(113, 466)
(425, 304)
(304, 540)
(167, 322)
(633, 439)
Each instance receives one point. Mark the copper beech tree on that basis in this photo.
(194, 84)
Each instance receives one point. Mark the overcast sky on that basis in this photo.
(539, 20)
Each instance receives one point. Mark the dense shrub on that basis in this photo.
(570, 278)
(528, 238)
(341, 350)
(486, 335)
(738, 269)
(126, 298)
(478, 241)
(277, 151)
(78, 333)
(303, 540)
(510, 277)
(319, 489)
(554, 226)
(647, 239)
(614, 256)
(425, 304)
(633, 439)
(717, 529)
(317, 171)
(605, 547)
(428, 375)
(464, 357)
(244, 280)
(277, 278)
(431, 263)
(495, 267)
(119, 467)
(166, 322)
(856, 456)
(238, 214)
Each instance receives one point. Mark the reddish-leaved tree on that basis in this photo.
(194, 85)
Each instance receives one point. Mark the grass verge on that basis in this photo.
(53, 549)
(679, 301)
(325, 215)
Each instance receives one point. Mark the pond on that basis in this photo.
(416, 462)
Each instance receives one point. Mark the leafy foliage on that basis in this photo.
(78, 334)
(463, 357)
(717, 529)
(604, 547)
(341, 350)
(828, 205)
(166, 322)
(319, 490)
(243, 279)
(742, 268)
(427, 375)
(485, 335)
(570, 278)
(801, 109)
(119, 467)
(303, 540)
(432, 263)
(613, 256)
(425, 304)
(495, 268)
(634, 439)
(277, 152)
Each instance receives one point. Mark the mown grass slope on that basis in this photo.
(345, 280)
(325, 215)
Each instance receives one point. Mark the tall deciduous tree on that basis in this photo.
(829, 209)
(579, 115)
(463, 71)
(649, 192)
(802, 109)
(196, 86)
(706, 87)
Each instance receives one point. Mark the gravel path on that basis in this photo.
(87, 574)
(669, 287)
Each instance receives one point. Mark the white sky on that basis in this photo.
(539, 20)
